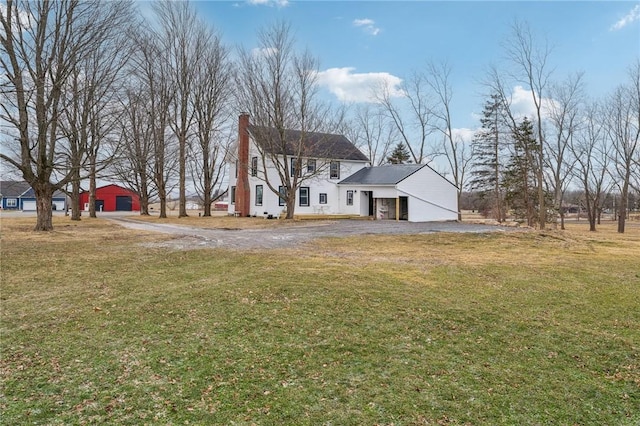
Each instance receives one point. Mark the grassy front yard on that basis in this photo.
(504, 328)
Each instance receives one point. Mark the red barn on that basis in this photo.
(112, 198)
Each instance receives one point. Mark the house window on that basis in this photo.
(334, 170)
(311, 165)
(254, 166)
(323, 198)
(283, 194)
(349, 198)
(236, 168)
(294, 161)
(233, 195)
(304, 196)
(12, 202)
(258, 195)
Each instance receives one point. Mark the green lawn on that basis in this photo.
(505, 328)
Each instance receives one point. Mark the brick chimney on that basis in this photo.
(243, 190)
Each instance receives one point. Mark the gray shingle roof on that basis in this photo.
(315, 144)
(17, 188)
(382, 175)
(13, 188)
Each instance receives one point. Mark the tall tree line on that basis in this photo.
(90, 90)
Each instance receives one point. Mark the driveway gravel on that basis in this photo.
(187, 237)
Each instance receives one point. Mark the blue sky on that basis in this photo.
(364, 40)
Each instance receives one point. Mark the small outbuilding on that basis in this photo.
(412, 192)
(112, 198)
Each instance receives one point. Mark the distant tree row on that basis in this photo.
(89, 90)
(521, 164)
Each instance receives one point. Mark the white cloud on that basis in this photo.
(368, 25)
(279, 3)
(264, 51)
(463, 134)
(633, 15)
(358, 87)
(522, 105)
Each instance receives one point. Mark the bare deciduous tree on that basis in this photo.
(416, 125)
(564, 117)
(454, 149)
(212, 92)
(151, 70)
(277, 86)
(42, 42)
(183, 39)
(531, 68)
(135, 160)
(623, 129)
(368, 129)
(590, 150)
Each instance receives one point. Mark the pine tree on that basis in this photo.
(487, 152)
(400, 155)
(520, 179)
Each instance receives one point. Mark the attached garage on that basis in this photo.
(29, 205)
(412, 192)
(111, 198)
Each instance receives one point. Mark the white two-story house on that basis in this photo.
(335, 179)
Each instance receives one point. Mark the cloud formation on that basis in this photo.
(348, 86)
(632, 16)
(264, 51)
(279, 3)
(368, 25)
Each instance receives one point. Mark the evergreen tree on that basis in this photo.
(487, 152)
(400, 155)
(520, 183)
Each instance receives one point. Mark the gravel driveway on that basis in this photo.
(187, 237)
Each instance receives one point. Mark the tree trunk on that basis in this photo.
(92, 195)
(207, 203)
(622, 211)
(75, 199)
(182, 211)
(144, 199)
(291, 205)
(44, 200)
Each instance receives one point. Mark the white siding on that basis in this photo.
(320, 183)
(431, 197)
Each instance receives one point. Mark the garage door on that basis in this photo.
(123, 203)
(29, 205)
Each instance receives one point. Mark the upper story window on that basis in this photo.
(334, 170)
(294, 170)
(254, 166)
(311, 165)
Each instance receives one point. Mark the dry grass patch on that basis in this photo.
(502, 328)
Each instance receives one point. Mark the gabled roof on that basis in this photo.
(390, 174)
(12, 188)
(315, 144)
(21, 189)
